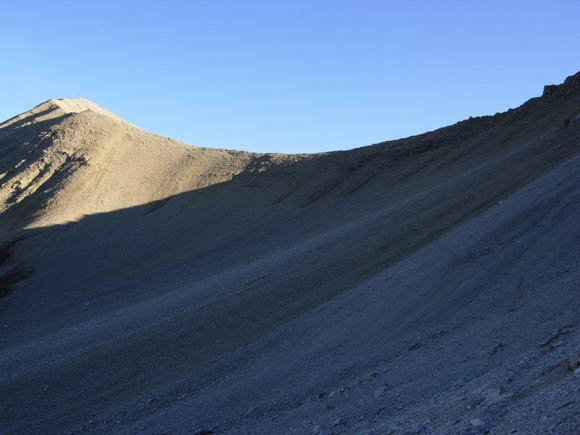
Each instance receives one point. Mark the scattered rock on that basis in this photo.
(417, 428)
(476, 422)
(565, 404)
(498, 348)
(491, 394)
(381, 390)
(564, 330)
(415, 346)
(565, 123)
(574, 363)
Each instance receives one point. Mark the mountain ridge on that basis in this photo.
(149, 285)
(74, 118)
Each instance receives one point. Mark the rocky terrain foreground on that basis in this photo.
(428, 285)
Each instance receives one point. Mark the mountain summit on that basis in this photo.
(52, 108)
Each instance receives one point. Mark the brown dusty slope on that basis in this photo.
(140, 274)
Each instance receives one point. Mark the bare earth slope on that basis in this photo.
(425, 285)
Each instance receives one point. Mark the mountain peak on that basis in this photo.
(78, 105)
(54, 108)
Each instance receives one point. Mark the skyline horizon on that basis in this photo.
(287, 77)
(234, 148)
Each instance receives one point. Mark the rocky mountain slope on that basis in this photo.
(424, 285)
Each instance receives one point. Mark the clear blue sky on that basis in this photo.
(288, 76)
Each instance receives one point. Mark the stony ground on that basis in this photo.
(427, 285)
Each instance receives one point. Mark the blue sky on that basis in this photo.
(286, 76)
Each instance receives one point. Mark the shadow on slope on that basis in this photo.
(165, 288)
(158, 295)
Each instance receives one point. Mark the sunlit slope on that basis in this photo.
(68, 158)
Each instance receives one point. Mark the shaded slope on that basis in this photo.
(187, 254)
